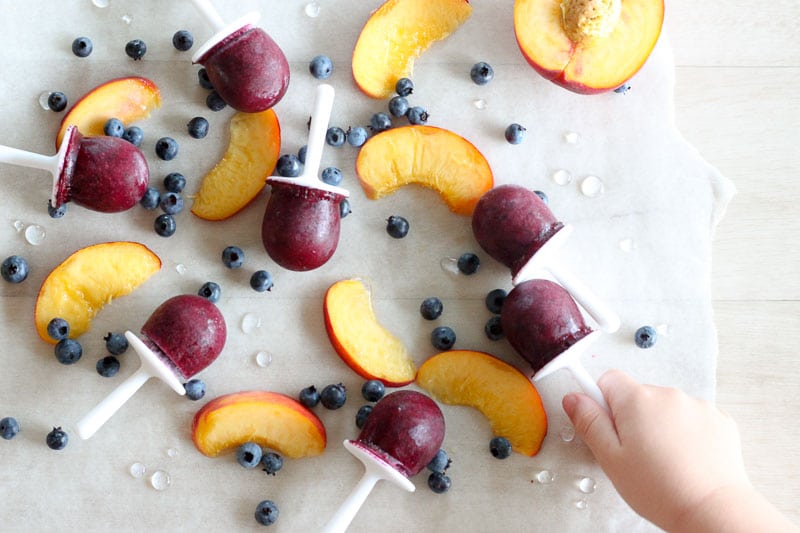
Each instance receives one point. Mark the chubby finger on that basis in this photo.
(617, 387)
(592, 423)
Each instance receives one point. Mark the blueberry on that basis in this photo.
(397, 226)
(114, 128)
(9, 427)
(261, 281)
(82, 46)
(202, 79)
(68, 351)
(195, 389)
(57, 101)
(321, 67)
(14, 269)
(56, 212)
(357, 136)
(151, 198)
(166, 148)
(335, 136)
(332, 176)
(494, 329)
(440, 462)
(481, 73)
(404, 87)
(373, 390)
(171, 203)
(175, 182)
(301, 153)
(494, 300)
(164, 225)
(133, 135)
(468, 263)
(215, 102)
(623, 89)
(417, 115)
(543, 196)
(431, 308)
(443, 338)
(58, 329)
(197, 127)
(361, 415)
(500, 447)
(515, 133)
(182, 40)
(116, 343)
(233, 257)
(439, 482)
(57, 439)
(108, 366)
(333, 396)
(309, 396)
(271, 463)
(289, 166)
(249, 455)
(136, 49)
(344, 208)
(645, 337)
(380, 122)
(210, 291)
(398, 106)
(266, 513)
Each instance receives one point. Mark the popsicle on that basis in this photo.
(544, 325)
(301, 224)
(245, 66)
(105, 174)
(399, 438)
(183, 336)
(515, 227)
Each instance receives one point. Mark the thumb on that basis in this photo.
(592, 423)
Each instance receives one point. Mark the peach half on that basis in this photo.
(360, 340)
(587, 46)
(78, 288)
(502, 393)
(253, 150)
(429, 156)
(396, 34)
(270, 419)
(128, 99)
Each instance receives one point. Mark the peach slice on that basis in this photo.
(587, 46)
(270, 419)
(396, 34)
(362, 343)
(78, 288)
(251, 156)
(502, 393)
(128, 99)
(429, 156)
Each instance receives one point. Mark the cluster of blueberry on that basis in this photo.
(56, 439)
(170, 201)
(233, 257)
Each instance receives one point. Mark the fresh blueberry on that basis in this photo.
(68, 351)
(494, 329)
(623, 89)
(431, 308)
(309, 396)
(116, 343)
(397, 226)
(261, 281)
(500, 447)
(543, 196)
(398, 106)
(332, 176)
(175, 182)
(380, 122)
(182, 40)
(373, 390)
(57, 439)
(344, 208)
(203, 80)
(321, 67)
(197, 127)
(468, 263)
(439, 482)
(151, 198)
(271, 463)
(417, 115)
(108, 366)
(164, 225)
(357, 136)
(494, 300)
(440, 462)
(14, 269)
(289, 166)
(481, 73)
(82, 46)
(171, 203)
(443, 337)
(361, 415)
(215, 102)
(233, 257)
(57, 101)
(333, 396)
(9, 427)
(166, 148)
(136, 49)
(58, 329)
(404, 87)
(335, 136)
(210, 291)
(195, 389)
(515, 133)
(301, 153)
(266, 513)
(645, 337)
(114, 128)
(56, 212)
(133, 135)
(249, 455)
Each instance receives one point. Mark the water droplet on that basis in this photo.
(449, 265)
(137, 470)
(663, 329)
(180, 268)
(35, 234)
(172, 452)
(312, 9)
(250, 322)
(587, 485)
(626, 245)
(592, 186)
(43, 97)
(127, 19)
(581, 504)
(571, 137)
(545, 477)
(562, 177)
(263, 359)
(160, 480)
(101, 3)
(567, 433)
(18, 225)
(479, 103)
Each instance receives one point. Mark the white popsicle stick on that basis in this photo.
(210, 13)
(151, 367)
(376, 470)
(221, 30)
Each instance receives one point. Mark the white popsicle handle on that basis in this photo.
(99, 415)
(320, 117)
(210, 13)
(605, 317)
(23, 158)
(349, 508)
(587, 382)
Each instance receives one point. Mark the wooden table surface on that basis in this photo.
(737, 102)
